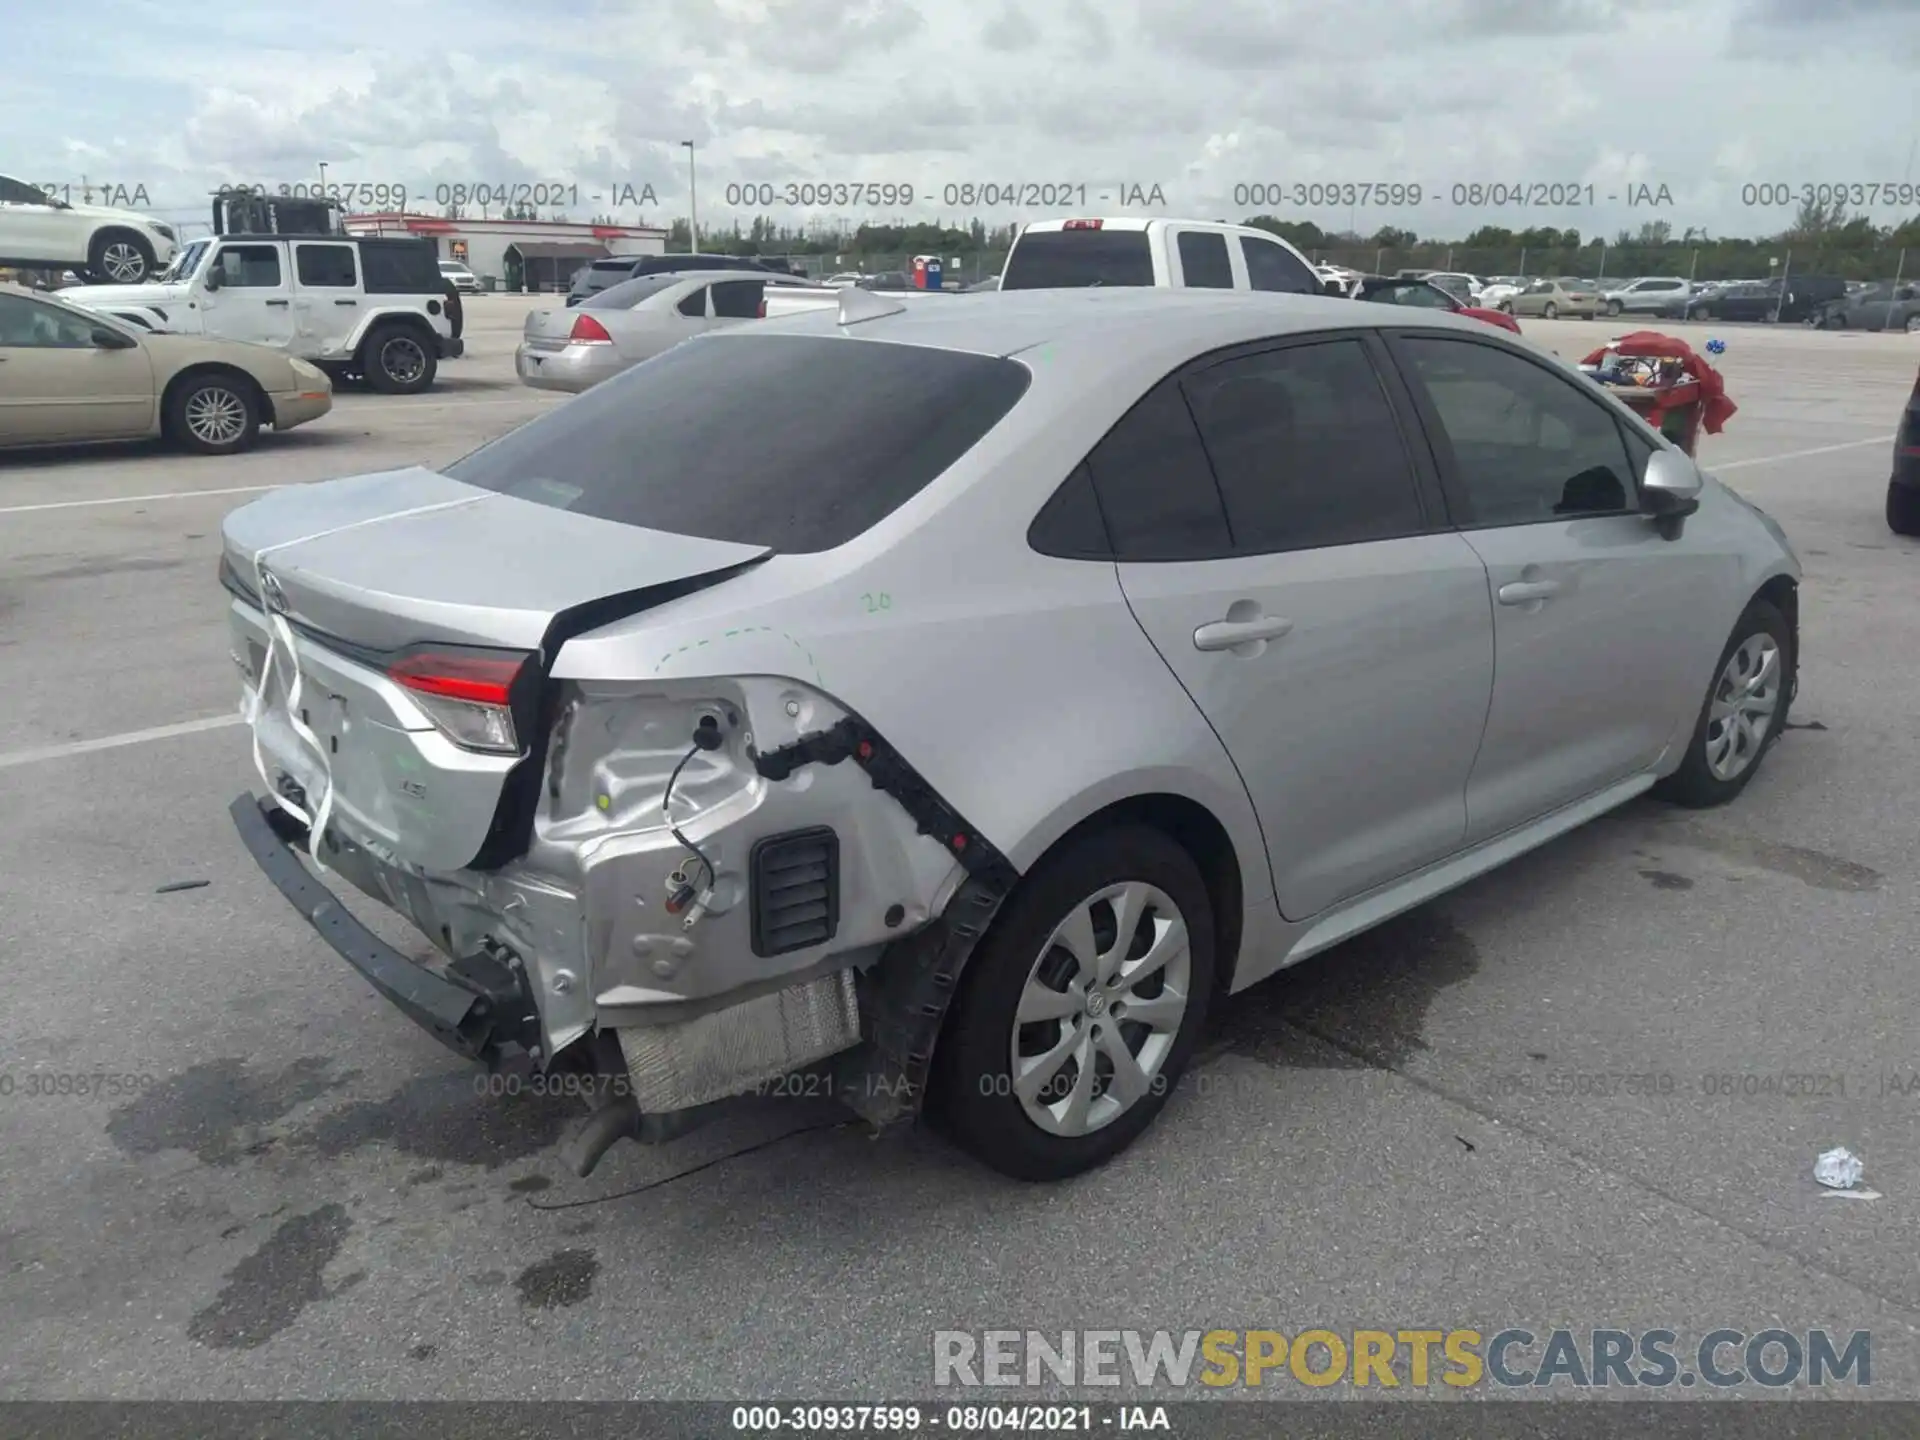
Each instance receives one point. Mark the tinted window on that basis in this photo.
(330, 265)
(400, 267)
(1069, 525)
(18, 192)
(250, 267)
(796, 442)
(1062, 259)
(738, 299)
(1155, 487)
(1528, 446)
(1306, 448)
(1203, 260)
(629, 293)
(28, 325)
(696, 303)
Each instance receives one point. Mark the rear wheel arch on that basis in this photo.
(1199, 832)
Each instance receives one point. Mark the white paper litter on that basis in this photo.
(1838, 1169)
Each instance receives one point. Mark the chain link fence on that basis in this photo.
(1699, 263)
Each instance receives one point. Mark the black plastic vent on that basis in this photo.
(795, 895)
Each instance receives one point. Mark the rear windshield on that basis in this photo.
(1064, 259)
(629, 293)
(795, 442)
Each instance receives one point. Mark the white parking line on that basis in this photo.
(1799, 454)
(136, 499)
(10, 758)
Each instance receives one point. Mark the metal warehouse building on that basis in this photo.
(517, 254)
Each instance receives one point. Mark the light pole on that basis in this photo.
(323, 179)
(693, 204)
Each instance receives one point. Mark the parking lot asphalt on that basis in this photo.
(1429, 1126)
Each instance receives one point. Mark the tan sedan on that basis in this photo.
(1550, 299)
(68, 375)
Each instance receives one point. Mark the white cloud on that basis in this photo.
(1197, 98)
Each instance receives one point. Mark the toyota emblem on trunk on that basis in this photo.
(270, 590)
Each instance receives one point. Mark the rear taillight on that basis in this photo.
(468, 694)
(588, 331)
(1081, 224)
(763, 307)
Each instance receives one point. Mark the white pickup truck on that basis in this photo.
(1128, 250)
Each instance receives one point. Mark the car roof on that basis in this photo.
(1165, 325)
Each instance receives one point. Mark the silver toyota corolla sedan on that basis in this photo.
(958, 702)
(617, 328)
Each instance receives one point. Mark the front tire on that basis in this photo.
(1080, 1011)
(119, 257)
(1903, 509)
(1699, 313)
(1744, 712)
(1551, 312)
(1613, 308)
(213, 415)
(399, 360)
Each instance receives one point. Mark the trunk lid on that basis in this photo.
(548, 329)
(372, 567)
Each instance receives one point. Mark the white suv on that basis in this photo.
(40, 232)
(365, 307)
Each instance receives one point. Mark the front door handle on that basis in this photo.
(277, 302)
(1524, 592)
(1225, 634)
(346, 302)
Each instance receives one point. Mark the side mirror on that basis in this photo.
(1670, 489)
(216, 277)
(106, 339)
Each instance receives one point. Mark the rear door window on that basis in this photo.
(326, 266)
(1070, 259)
(738, 299)
(1203, 260)
(1306, 448)
(795, 442)
(696, 303)
(1271, 266)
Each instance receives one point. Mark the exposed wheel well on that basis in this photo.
(1783, 593)
(241, 378)
(417, 323)
(1193, 827)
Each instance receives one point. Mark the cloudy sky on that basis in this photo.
(1203, 99)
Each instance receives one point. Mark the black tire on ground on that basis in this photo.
(216, 413)
(1903, 509)
(1913, 324)
(1694, 784)
(1551, 311)
(1698, 313)
(972, 1073)
(1613, 308)
(399, 359)
(119, 257)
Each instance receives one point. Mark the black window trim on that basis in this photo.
(1428, 496)
(1459, 508)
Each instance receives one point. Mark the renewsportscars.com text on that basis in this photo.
(1459, 1358)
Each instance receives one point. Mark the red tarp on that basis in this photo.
(1708, 389)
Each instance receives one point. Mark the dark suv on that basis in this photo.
(604, 274)
(1761, 300)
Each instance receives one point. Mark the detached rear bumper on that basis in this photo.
(452, 349)
(485, 1014)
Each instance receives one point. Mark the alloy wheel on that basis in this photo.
(1101, 1009)
(123, 262)
(216, 416)
(1746, 699)
(403, 360)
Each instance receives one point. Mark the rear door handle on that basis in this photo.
(1225, 634)
(1522, 592)
(346, 302)
(278, 302)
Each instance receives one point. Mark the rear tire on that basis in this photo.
(1913, 324)
(1024, 962)
(1699, 313)
(119, 257)
(1724, 752)
(213, 414)
(1903, 509)
(399, 359)
(1551, 311)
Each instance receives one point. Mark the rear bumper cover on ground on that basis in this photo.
(484, 1019)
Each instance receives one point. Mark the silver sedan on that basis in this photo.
(575, 349)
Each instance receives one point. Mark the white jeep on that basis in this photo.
(359, 307)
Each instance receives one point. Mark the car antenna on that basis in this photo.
(857, 305)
